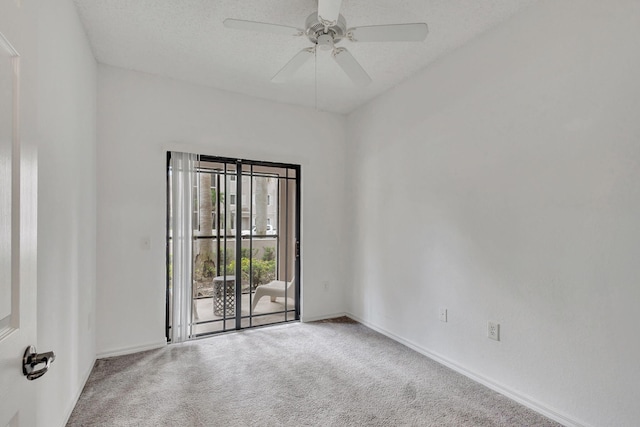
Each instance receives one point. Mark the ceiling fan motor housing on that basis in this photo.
(315, 31)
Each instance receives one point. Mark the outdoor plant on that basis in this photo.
(247, 253)
(269, 254)
(261, 271)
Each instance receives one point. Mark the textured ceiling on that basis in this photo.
(186, 40)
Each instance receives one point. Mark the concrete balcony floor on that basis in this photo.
(204, 308)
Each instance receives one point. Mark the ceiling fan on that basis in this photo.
(325, 29)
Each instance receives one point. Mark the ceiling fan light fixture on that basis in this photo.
(325, 42)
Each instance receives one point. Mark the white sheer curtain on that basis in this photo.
(183, 179)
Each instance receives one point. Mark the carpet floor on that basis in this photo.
(297, 374)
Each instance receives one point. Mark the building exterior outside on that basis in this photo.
(250, 212)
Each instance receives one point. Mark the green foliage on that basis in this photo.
(261, 271)
(269, 254)
(229, 254)
(247, 253)
(209, 269)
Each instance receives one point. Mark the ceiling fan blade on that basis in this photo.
(389, 33)
(328, 11)
(262, 27)
(350, 66)
(293, 65)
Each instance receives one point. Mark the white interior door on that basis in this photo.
(18, 240)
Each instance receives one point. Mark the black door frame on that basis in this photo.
(239, 163)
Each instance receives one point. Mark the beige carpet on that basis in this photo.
(298, 374)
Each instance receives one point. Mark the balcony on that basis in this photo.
(266, 313)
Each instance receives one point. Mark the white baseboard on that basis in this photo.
(529, 402)
(130, 350)
(74, 402)
(305, 319)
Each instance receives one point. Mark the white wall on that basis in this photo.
(67, 73)
(503, 183)
(140, 116)
(58, 116)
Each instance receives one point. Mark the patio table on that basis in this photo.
(224, 296)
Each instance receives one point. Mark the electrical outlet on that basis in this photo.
(443, 314)
(493, 330)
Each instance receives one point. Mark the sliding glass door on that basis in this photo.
(245, 259)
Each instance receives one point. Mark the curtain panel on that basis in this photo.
(183, 180)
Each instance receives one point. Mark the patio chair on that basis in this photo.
(274, 289)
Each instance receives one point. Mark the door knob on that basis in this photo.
(31, 360)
